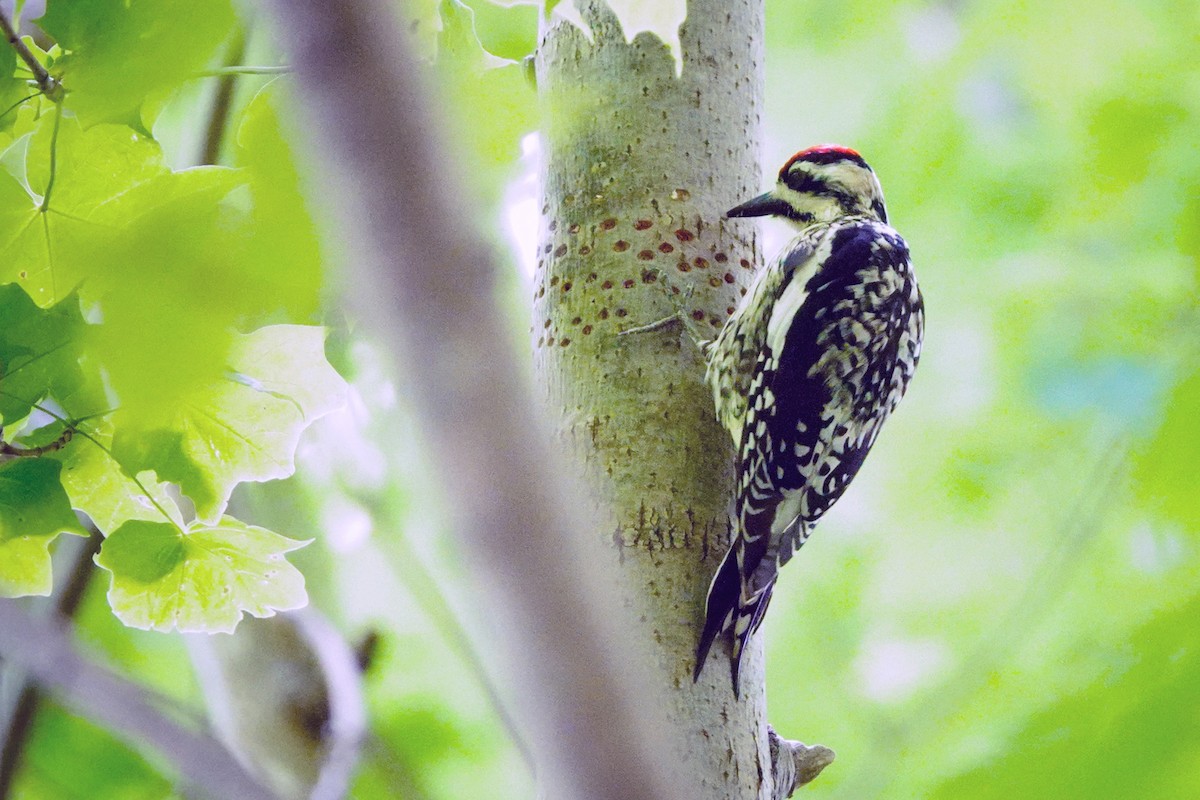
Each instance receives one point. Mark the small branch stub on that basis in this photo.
(795, 763)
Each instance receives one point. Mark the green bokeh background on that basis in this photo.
(1007, 603)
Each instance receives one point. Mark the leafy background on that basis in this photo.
(1005, 605)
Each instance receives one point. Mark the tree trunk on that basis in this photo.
(641, 163)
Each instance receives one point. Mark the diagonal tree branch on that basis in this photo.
(426, 279)
(49, 85)
(46, 652)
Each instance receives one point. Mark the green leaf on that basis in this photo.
(39, 352)
(60, 742)
(12, 160)
(243, 427)
(284, 250)
(173, 295)
(97, 484)
(187, 262)
(12, 88)
(90, 167)
(662, 19)
(100, 229)
(201, 579)
(34, 510)
(50, 252)
(121, 52)
(175, 262)
(482, 86)
(508, 29)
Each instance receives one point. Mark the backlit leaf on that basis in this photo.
(199, 579)
(483, 86)
(50, 252)
(121, 52)
(98, 486)
(243, 427)
(39, 352)
(284, 251)
(33, 511)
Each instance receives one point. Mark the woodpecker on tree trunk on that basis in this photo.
(814, 359)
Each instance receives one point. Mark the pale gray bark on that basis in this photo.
(641, 163)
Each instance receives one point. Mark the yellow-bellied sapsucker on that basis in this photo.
(805, 372)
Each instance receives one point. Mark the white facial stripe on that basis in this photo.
(788, 195)
(843, 175)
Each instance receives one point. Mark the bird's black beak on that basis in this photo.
(763, 205)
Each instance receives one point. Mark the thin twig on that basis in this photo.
(219, 72)
(7, 449)
(74, 424)
(50, 86)
(658, 325)
(18, 104)
(218, 115)
(58, 112)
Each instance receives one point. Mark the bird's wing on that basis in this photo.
(826, 387)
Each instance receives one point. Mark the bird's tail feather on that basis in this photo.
(723, 595)
(749, 617)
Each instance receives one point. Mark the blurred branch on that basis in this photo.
(427, 591)
(43, 649)
(218, 113)
(426, 280)
(285, 694)
(20, 722)
(345, 730)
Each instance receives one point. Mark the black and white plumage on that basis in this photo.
(805, 372)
